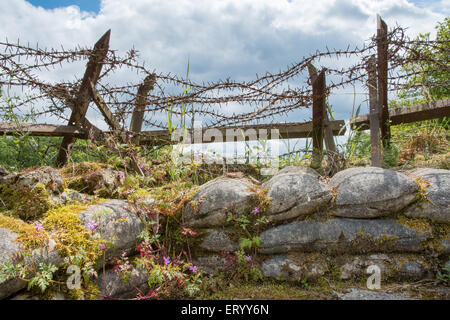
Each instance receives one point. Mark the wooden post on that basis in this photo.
(375, 150)
(329, 137)
(382, 66)
(318, 119)
(329, 140)
(138, 113)
(83, 97)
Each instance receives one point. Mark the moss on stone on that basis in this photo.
(433, 245)
(420, 225)
(81, 168)
(90, 291)
(87, 177)
(139, 195)
(364, 243)
(69, 232)
(27, 203)
(27, 233)
(421, 194)
(441, 230)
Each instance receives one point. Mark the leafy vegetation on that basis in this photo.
(444, 276)
(431, 83)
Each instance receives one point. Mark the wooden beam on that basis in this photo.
(286, 131)
(138, 113)
(382, 68)
(43, 130)
(83, 97)
(375, 145)
(63, 94)
(107, 114)
(419, 112)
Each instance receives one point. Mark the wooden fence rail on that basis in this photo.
(419, 112)
(157, 137)
(43, 130)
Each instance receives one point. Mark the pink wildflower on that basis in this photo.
(193, 269)
(38, 227)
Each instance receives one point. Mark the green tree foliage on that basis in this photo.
(429, 68)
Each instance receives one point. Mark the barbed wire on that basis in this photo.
(263, 97)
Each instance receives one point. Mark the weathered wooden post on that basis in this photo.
(319, 88)
(84, 95)
(382, 68)
(374, 117)
(138, 113)
(329, 140)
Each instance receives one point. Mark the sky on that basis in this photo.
(85, 5)
(221, 38)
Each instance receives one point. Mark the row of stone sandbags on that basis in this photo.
(352, 214)
(361, 193)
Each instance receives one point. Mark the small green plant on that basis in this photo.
(304, 283)
(246, 268)
(167, 277)
(40, 277)
(250, 226)
(43, 277)
(390, 156)
(444, 276)
(241, 264)
(9, 270)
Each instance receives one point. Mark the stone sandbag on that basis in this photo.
(370, 192)
(436, 206)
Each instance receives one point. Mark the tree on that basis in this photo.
(428, 69)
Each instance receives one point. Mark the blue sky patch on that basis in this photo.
(85, 5)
